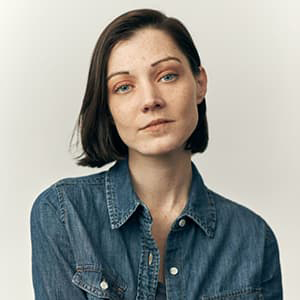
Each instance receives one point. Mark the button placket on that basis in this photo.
(173, 271)
(150, 258)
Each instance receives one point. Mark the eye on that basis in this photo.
(122, 89)
(169, 77)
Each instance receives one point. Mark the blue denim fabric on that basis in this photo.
(91, 239)
(161, 292)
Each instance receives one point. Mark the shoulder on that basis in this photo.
(230, 206)
(69, 189)
(239, 218)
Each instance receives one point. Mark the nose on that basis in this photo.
(152, 99)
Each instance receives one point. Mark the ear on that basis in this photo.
(201, 82)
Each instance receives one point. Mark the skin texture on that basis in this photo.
(159, 166)
(141, 92)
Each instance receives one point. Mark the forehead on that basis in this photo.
(143, 48)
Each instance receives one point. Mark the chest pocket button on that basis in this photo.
(103, 285)
(99, 282)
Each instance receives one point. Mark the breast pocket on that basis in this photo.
(99, 283)
(242, 294)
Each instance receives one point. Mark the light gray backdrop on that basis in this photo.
(250, 50)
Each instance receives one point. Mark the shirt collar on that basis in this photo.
(122, 201)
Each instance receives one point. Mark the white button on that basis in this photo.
(173, 270)
(150, 258)
(103, 285)
(182, 222)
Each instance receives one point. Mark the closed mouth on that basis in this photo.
(157, 122)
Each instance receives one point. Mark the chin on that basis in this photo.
(157, 150)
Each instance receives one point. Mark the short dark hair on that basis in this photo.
(100, 140)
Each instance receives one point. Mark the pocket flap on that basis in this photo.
(98, 282)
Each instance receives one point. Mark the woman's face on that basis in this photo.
(150, 78)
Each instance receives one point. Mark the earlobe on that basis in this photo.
(199, 100)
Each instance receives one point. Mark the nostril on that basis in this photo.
(152, 104)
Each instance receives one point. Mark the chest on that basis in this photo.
(205, 266)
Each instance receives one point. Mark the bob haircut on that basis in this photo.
(100, 140)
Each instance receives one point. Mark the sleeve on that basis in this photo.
(271, 275)
(53, 262)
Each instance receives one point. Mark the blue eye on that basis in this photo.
(169, 77)
(124, 88)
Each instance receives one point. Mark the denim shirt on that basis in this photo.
(91, 239)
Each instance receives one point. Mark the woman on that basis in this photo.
(147, 228)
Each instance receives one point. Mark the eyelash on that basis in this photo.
(122, 85)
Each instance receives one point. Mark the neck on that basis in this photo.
(162, 183)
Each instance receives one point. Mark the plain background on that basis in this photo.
(250, 50)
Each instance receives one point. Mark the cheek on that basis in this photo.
(187, 109)
(122, 117)
(184, 89)
(124, 110)
(117, 112)
(185, 97)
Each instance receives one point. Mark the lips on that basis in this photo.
(155, 122)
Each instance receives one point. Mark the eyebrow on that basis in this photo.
(152, 65)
